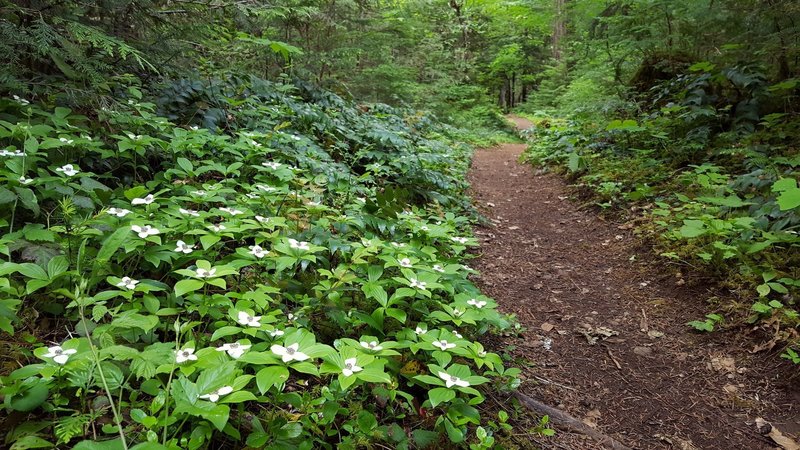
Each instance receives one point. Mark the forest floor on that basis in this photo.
(604, 336)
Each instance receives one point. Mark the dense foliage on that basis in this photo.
(308, 261)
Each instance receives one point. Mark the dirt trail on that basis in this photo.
(571, 278)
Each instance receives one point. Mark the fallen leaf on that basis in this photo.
(643, 351)
(592, 417)
(779, 438)
(726, 364)
(547, 326)
(655, 334)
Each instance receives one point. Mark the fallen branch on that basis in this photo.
(568, 422)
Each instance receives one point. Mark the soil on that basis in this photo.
(604, 324)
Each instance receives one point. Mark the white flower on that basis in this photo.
(295, 137)
(458, 335)
(21, 100)
(143, 201)
(59, 354)
(276, 333)
(67, 169)
(466, 267)
(424, 228)
(421, 285)
(203, 273)
(290, 317)
(128, 282)
(460, 240)
(438, 268)
(420, 331)
(257, 251)
(255, 144)
(145, 230)
(398, 245)
(184, 355)
(271, 164)
(476, 303)
(350, 367)
(183, 247)
(299, 245)
(5, 152)
(194, 128)
(66, 141)
(217, 227)
(373, 345)
(457, 312)
(262, 219)
(482, 354)
(135, 137)
(214, 396)
(251, 195)
(405, 262)
(443, 344)
(231, 211)
(119, 212)
(234, 349)
(199, 193)
(246, 319)
(450, 380)
(312, 204)
(24, 180)
(290, 353)
(189, 212)
(261, 187)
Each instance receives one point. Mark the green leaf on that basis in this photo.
(374, 290)
(57, 266)
(30, 441)
(366, 421)
(424, 438)
(186, 165)
(111, 245)
(440, 395)
(784, 184)
(692, 228)
(37, 232)
(31, 398)
(238, 397)
(789, 199)
(28, 199)
(31, 270)
(113, 444)
(185, 286)
(271, 376)
(763, 290)
(6, 196)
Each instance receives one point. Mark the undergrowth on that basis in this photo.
(278, 269)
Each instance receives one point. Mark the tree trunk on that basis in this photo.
(559, 28)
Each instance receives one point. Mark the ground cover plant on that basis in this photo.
(294, 279)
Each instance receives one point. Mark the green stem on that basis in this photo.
(114, 408)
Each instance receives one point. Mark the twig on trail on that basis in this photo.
(611, 355)
(568, 422)
(643, 324)
(546, 381)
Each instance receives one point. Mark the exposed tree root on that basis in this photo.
(568, 422)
